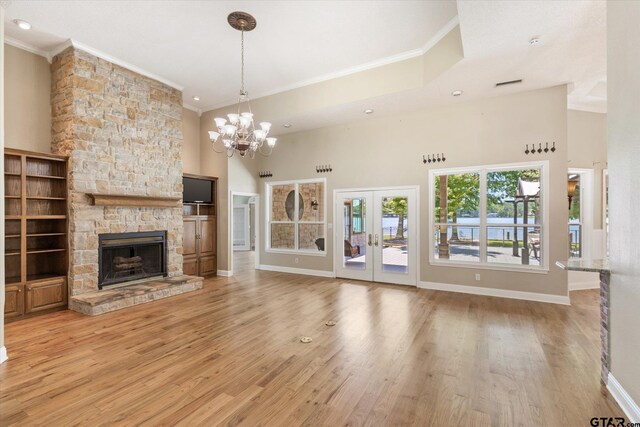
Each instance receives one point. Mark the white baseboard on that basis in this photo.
(491, 292)
(3, 354)
(305, 271)
(630, 408)
(580, 286)
(224, 273)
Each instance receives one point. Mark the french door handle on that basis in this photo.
(369, 241)
(376, 243)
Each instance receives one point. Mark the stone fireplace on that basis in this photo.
(122, 132)
(127, 257)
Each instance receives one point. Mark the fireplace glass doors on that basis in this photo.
(125, 257)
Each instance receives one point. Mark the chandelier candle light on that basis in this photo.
(239, 133)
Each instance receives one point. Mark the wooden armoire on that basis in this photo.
(199, 241)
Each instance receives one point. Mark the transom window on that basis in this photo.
(296, 217)
(491, 216)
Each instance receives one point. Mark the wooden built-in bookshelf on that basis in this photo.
(36, 240)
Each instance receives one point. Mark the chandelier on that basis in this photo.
(238, 133)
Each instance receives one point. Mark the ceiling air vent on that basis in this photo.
(510, 82)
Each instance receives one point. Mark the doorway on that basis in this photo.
(243, 227)
(376, 236)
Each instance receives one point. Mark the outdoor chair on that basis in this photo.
(534, 245)
(351, 250)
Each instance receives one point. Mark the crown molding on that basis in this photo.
(56, 50)
(192, 108)
(454, 22)
(28, 47)
(355, 69)
(124, 64)
(587, 108)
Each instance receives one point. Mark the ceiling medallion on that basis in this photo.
(239, 134)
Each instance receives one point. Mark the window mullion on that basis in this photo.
(483, 216)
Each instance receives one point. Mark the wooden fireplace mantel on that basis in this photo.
(138, 201)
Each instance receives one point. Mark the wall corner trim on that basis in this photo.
(224, 273)
(303, 271)
(3, 354)
(580, 286)
(492, 292)
(620, 395)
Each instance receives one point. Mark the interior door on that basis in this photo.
(395, 237)
(354, 235)
(241, 233)
(376, 236)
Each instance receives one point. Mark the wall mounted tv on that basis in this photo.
(196, 190)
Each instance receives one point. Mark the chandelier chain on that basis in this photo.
(242, 63)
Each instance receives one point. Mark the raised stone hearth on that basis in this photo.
(100, 302)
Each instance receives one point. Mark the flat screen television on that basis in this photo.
(196, 190)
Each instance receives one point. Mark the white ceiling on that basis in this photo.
(298, 42)
(191, 44)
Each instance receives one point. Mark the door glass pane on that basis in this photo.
(575, 216)
(393, 236)
(354, 234)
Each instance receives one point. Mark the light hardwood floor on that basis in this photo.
(230, 354)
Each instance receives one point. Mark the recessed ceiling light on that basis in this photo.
(195, 98)
(287, 125)
(456, 92)
(368, 111)
(534, 41)
(22, 24)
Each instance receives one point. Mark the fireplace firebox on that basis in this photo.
(125, 257)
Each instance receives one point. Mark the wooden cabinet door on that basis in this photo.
(190, 266)
(208, 265)
(46, 294)
(207, 237)
(13, 301)
(189, 242)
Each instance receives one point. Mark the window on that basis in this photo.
(489, 216)
(296, 217)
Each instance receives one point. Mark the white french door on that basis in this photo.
(376, 235)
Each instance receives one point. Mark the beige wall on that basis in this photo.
(387, 151)
(623, 83)
(191, 142)
(587, 142)
(301, 105)
(215, 164)
(27, 79)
